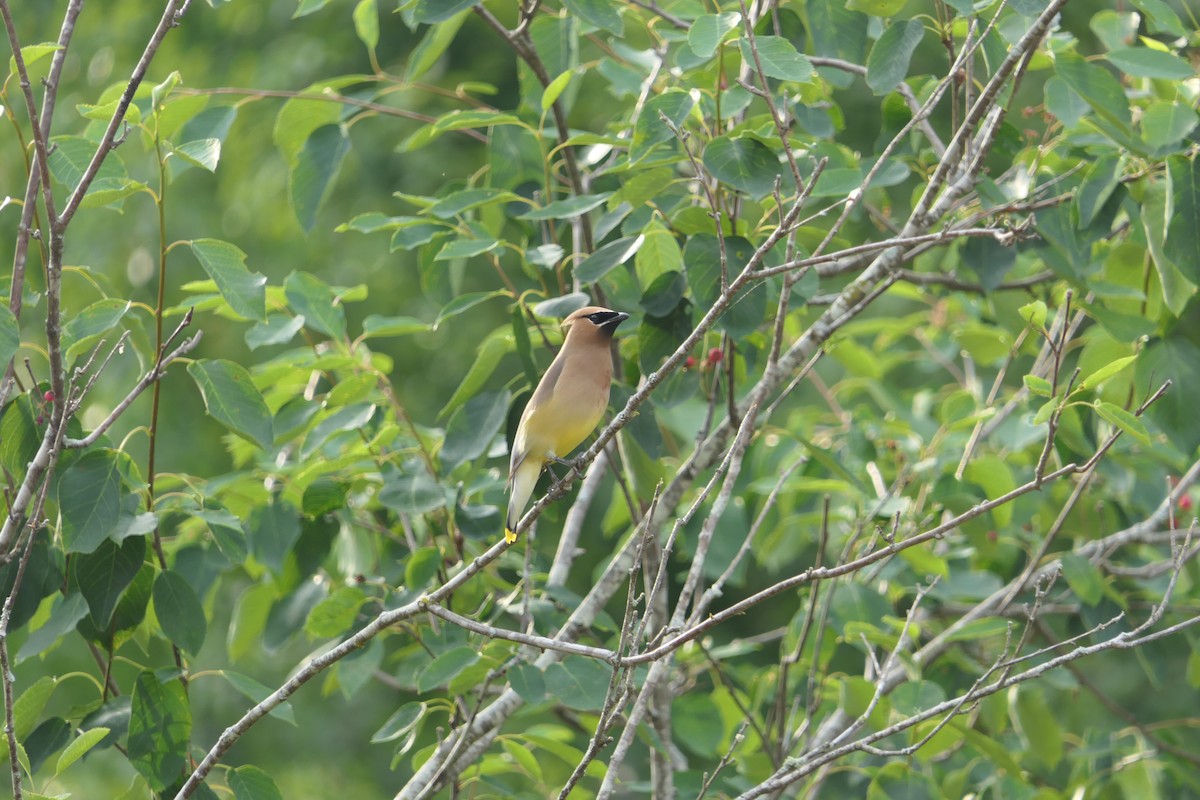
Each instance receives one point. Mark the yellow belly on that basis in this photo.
(557, 430)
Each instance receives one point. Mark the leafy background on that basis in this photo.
(372, 213)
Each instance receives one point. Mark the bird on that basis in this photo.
(565, 407)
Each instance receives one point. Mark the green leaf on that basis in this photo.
(31, 54)
(104, 574)
(421, 568)
(65, 615)
(278, 329)
(840, 32)
(498, 344)
(465, 248)
(1098, 88)
(877, 8)
(78, 748)
(560, 307)
(366, 23)
(529, 682)
(556, 87)
(1114, 415)
(273, 529)
(203, 153)
(289, 613)
(10, 335)
(323, 496)
(1062, 101)
(85, 328)
(890, 56)
(707, 31)
(1098, 185)
(914, 697)
(1034, 313)
(431, 11)
(411, 492)
(27, 709)
(473, 427)
(604, 14)
(199, 142)
(316, 167)
(1156, 213)
(242, 289)
(300, 116)
(454, 204)
(48, 738)
(659, 337)
(179, 611)
(19, 435)
(306, 7)
(442, 669)
(464, 302)
(1182, 245)
(255, 691)
(314, 300)
(1039, 726)
(1105, 372)
(664, 294)
(565, 209)
(1160, 17)
(1083, 577)
(578, 682)
(375, 326)
(988, 259)
(975, 630)
(69, 159)
(433, 44)
(702, 254)
(692, 722)
(1142, 62)
(334, 615)
(992, 474)
(160, 729)
(650, 131)
(89, 499)
(249, 619)
(745, 163)
(660, 253)
(404, 720)
(595, 266)
(352, 417)
(251, 783)
(1166, 124)
(779, 59)
(226, 530)
(1038, 386)
(232, 400)
(545, 256)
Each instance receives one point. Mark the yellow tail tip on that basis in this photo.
(510, 535)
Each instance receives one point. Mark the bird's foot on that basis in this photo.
(569, 463)
(510, 536)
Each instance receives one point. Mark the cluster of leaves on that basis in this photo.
(644, 156)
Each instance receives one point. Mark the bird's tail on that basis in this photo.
(520, 486)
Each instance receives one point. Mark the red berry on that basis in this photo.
(715, 356)
(40, 419)
(1184, 503)
(691, 362)
(48, 397)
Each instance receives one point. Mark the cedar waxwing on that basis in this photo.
(566, 405)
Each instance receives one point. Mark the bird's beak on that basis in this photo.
(611, 325)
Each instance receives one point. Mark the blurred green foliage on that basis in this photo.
(378, 214)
